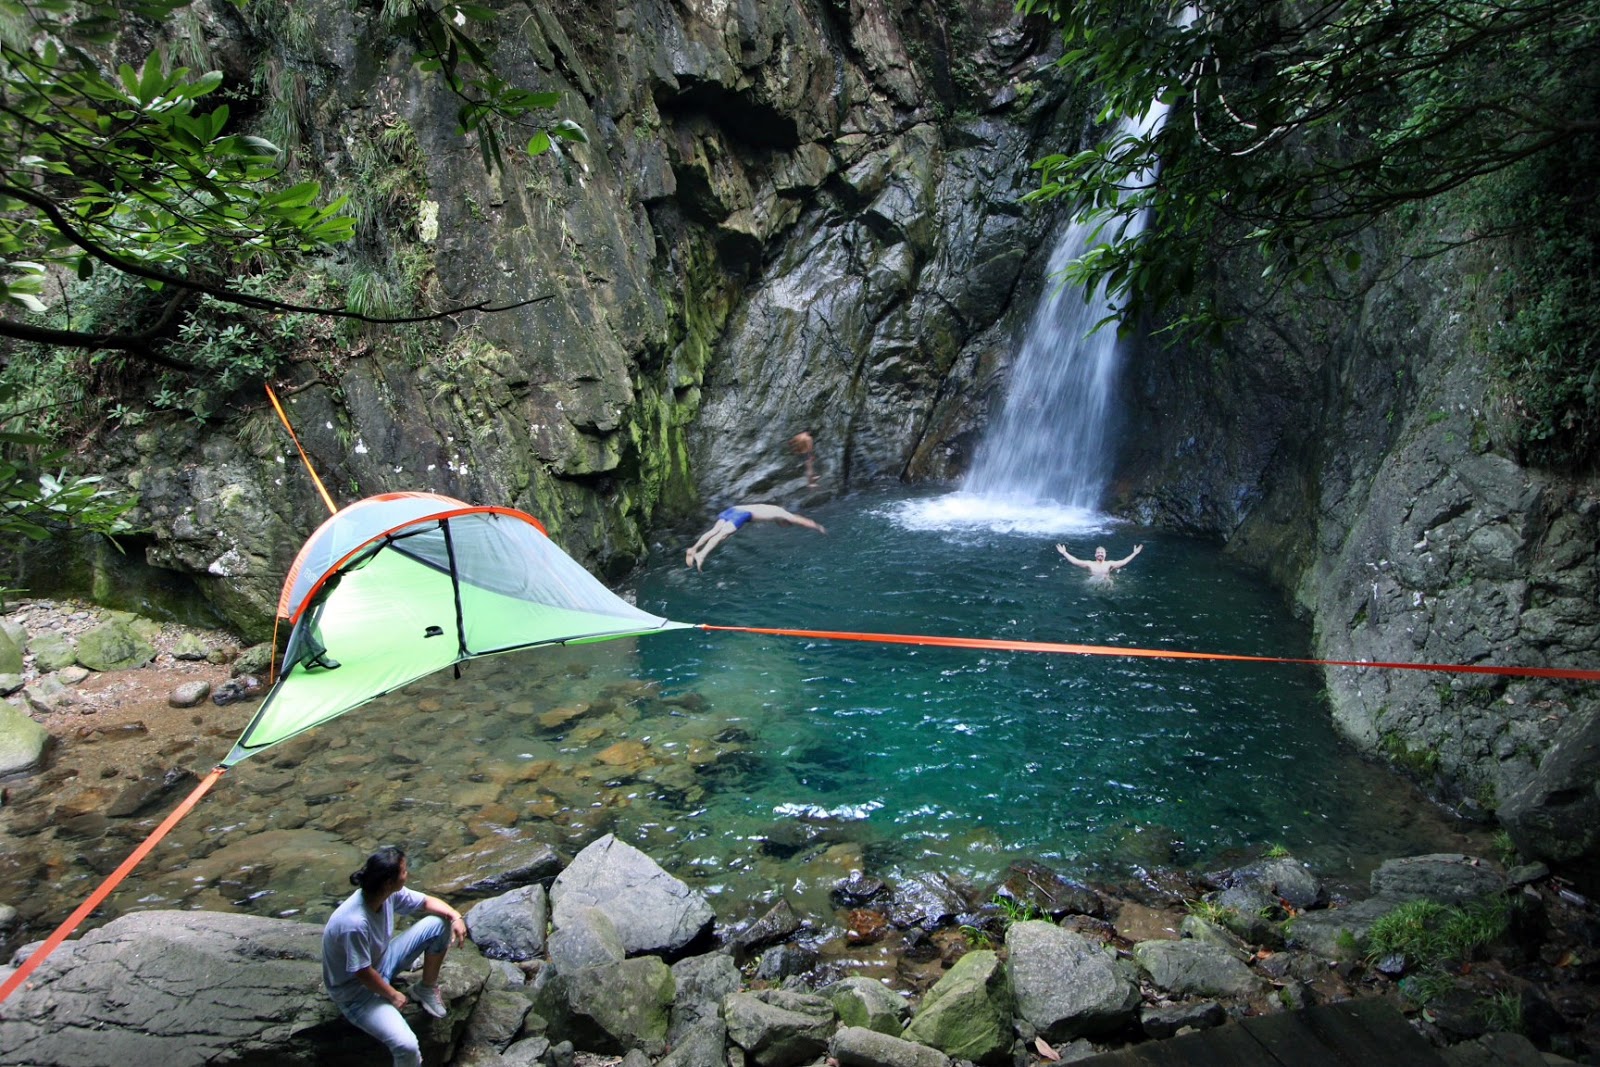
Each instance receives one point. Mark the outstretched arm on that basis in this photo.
(1074, 560)
(801, 520)
(1129, 559)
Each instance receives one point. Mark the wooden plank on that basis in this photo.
(1228, 1045)
(1370, 1031)
(1285, 1038)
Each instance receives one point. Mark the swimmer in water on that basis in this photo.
(731, 519)
(1100, 569)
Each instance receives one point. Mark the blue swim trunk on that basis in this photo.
(735, 516)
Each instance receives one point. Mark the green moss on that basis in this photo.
(1421, 762)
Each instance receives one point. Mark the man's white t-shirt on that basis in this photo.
(356, 938)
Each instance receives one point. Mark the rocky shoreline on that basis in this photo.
(608, 957)
(1036, 968)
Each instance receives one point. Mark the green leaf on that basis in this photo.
(539, 144)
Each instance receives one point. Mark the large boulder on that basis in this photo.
(53, 650)
(491, 865)
(777, 1028)
(1555, 816)
(967, 1014)
(10, 655)
(652, 911)
(1191, 968)
(1447, 877)
(512, 925)
(23, 742)
(615, 1007)
(701, 984)
(868, 1004)
(194, 988)
(856, 1046)
(114, 646)
(1066, 985)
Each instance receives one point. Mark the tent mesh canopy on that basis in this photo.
(395, 587)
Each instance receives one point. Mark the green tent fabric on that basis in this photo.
(395, 587)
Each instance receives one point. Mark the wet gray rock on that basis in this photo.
(1191, 968)
(967, 1014)
(1066, 985)
(496, 1019)
(512, 925)
(1556, 814)
(1448, 878)
(114, 646)
(585, 937)
(1283, 879)
(863, 1002)
(783, 961)
(493, 866)
(700, 1046)
(776, 1028)
(855, 1046)
(652, 911)
(615, 1007)
(701, 983)
(1165, 1020)
(23, 742)
(222, 988)
(778, 923)
(48, 694)
(926, 901)
(1036, 886)
(189, 694)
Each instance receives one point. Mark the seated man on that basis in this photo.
(731, 519)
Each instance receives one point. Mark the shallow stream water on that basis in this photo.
(764, 766)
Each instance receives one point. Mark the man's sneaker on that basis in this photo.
(428, 996)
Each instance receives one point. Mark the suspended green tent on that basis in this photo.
(397, 586)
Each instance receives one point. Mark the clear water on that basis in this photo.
(961, 761)
(758, 766)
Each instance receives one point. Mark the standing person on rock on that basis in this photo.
(801, 444)
(361, 955)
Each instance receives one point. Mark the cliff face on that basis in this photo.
(1348, 442)
(794, 215)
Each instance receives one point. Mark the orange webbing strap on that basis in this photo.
(53, 942)
(326, 499)
(1154, 653)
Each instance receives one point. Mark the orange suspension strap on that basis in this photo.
(1154, 653)
(51, 943)
(326, 499)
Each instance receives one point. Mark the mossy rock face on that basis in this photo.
(113, 646)
(967, 1015)
(10, 655)
(53, 651)
(23, 742)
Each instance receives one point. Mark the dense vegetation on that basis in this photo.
(150, 242)
(1300, 130)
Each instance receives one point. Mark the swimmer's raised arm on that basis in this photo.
(1124, 562)
(1074, 560)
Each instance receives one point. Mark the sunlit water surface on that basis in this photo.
(757, 766)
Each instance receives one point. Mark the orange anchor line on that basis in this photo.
(1154, 653)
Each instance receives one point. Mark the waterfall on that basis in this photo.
(1051, 445)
